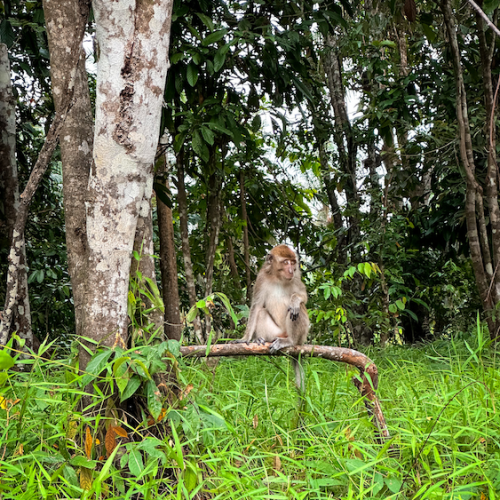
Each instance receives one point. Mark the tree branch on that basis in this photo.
(367, 385)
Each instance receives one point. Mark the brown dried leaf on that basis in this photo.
(88, 442)
(277, 463)
(19, 451)
(85, 478)
(186, 391)
(255, 421)
(120, 431)
(110, 440)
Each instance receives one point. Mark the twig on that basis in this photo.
(484, 16)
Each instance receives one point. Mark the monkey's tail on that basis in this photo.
(300, 378)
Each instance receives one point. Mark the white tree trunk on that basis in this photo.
(17, 316)
(133, 39)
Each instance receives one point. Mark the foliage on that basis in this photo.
(234, 432)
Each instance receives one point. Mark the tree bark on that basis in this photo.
(232, 261)
(168, 265)
(9, 197)
(133, 42)
(186, 248)
(213, 224)
(145, 268)
(15, 255)
(65, 21)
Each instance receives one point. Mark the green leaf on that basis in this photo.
(81, 461)
(6, 361)
(228, 306)
(192, 74)
(206, 21)
(95, 366)
(393, 309)
(190, 479)
(219, 128)
(208, 135)
(163, 194)
(135, 463)
(368, 269)
(133, 384)
(393, 483)
(7, 34)
(177, 57)
(219, 60)
(193, 312)
(200, 147)
(153, 398)
(213, 37)
(400, 305)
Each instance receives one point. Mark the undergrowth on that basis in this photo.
(239, 431)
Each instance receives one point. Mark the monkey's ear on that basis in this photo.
(269, 258)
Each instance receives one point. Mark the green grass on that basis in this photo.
(242, 433)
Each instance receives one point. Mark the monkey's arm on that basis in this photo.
(297, 298)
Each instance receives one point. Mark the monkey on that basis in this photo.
(278, 311)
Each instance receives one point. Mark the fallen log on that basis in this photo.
(366, 386)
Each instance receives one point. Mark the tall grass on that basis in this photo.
(243, 433)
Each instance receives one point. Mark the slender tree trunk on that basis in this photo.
(330, 188)
(476, 227)
(186, 248)
(246, 244)
(168, 265)
(145, 267)
(343, 134)
(17, 245)
(133, 44)
(214, 221)
(232, 261)
(9, 197)
(65, 20)
(491, 182)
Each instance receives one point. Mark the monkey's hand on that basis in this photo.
(294, 307)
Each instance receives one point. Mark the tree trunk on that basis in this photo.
(65, 20)
(186, 248)
(232, 261)
(343, 135)
(213, 227)
(474, 211)
(168, 265)
(145, 268)
(17, 245)
(9, 197)
(246, 244)
(133, 44)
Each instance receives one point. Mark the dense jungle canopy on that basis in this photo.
(361, 133)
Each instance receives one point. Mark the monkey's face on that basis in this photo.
(287, 268)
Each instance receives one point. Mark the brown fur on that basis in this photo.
(278, 313)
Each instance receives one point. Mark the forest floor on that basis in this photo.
(242, 432)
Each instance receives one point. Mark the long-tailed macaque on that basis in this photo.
(278, 313)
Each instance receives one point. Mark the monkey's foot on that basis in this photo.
(238, 341)
(279, 344)
(260, 341)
